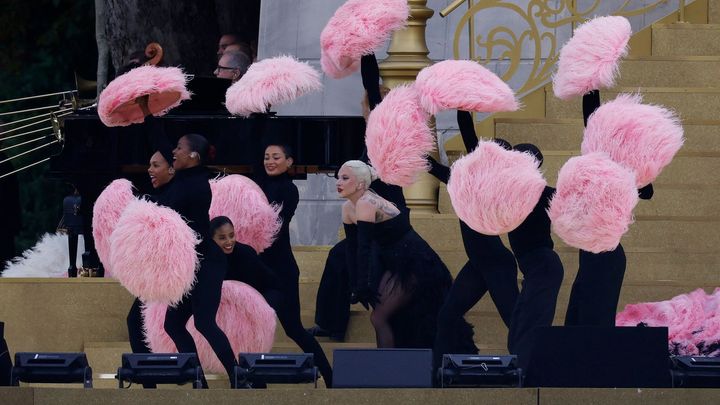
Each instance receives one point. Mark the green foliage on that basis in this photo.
(42, 44)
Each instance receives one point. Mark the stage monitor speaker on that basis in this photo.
(258, 369)
(160, 368)
(5, 361)
(472, 370)
(599, 357)
(382, 368)
(64, 368)
(695, 372)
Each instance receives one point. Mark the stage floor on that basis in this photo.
(507, 396)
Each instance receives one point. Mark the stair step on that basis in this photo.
(567, 134)
(442, 232)
(642, 265)
(691, 103)
(685, 39)
(670, 71)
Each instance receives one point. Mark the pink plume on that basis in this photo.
(641, 137)
(152, 253)
(463, 85)
(589, 60)
(107, 210)
(164, 85)
(273, 81)
(256, 221)
(592, 207)
(358, 28)
(244, 316)
(398, 137)
(493, 190)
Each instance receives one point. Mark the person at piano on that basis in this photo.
(279, 189)
(161, 173)
(232, 65)
(189, 194)
(414, 281)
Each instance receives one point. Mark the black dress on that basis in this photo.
(596, 290)
(542, 276)
(279, 257)
(189, 194)
(491, 266)
(417, 268)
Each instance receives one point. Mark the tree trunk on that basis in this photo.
(188, 30)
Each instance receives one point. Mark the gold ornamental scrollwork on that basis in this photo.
(541, 18)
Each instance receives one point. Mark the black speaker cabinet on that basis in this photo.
(382, 368)
(599, 357)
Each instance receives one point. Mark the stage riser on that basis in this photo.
(514, 396)
(690, 103)
(687, 40)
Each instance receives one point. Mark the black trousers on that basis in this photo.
(542, 276)
(135, 332)
(596, 289)
(286, 303)
(332, 305)
(203, 303)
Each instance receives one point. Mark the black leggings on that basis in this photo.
(203, 303)
(135, 332)
(596, 289)
(332, 308)
(542, 276)
(286, 303)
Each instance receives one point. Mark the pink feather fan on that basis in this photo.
(107, 210)
(493, 190)
(152, 253)
(272, 81)
(641, 137)
(256, 221)
(692, 319)
(592, 207)
(463, 85)
(590, 59)
(164, 85)
(244, 316)
(398, 137)
(358, 28)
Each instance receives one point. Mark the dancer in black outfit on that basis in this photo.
(189, 194)
(490, 267)
(332, 306)
(542, 272)
(279, 189)
(414, 281)
(161, 172)
(596, 289)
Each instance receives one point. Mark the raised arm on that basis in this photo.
(590, 103)
(370, 73)
(467, 130)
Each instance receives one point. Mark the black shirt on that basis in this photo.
(534, 232)
(190, 196)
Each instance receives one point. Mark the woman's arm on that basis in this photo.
(591, 102)
(370, 73)
(439, 170)
(467, 130)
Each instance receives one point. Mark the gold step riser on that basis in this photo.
(686, 40)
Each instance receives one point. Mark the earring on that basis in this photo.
(171, 171)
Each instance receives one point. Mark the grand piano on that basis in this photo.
(93, 155)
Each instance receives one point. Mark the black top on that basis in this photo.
(189, 194)
(72, 219)
(245, 265)
(280, 190)
(534, 232)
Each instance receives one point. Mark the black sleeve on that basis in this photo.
(351, 253)
(289, 204)
(370, 73)
(591, 102)
(251, 263)
(646, 192)
(437, 169)
(467, 130)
